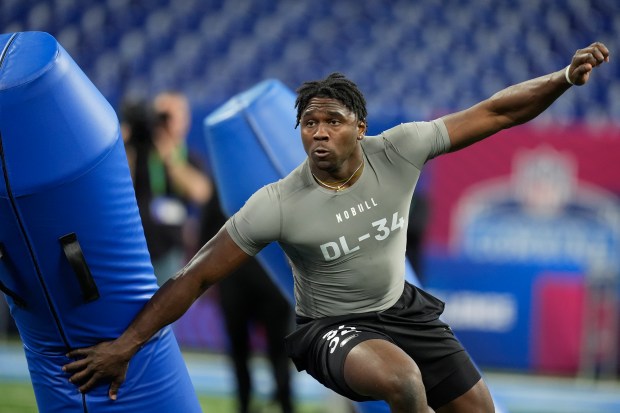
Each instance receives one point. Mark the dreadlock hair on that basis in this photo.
(335, 86)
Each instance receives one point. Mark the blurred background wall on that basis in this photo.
(413, 59)
(522, 238)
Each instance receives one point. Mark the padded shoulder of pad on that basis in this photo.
(25, 57)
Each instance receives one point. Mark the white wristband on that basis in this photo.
(566, 75)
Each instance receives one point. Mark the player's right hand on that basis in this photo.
(93, 365)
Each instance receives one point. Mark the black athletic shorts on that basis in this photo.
(320, 346)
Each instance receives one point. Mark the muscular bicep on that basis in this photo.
(474, 124)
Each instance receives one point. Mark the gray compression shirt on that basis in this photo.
(346, 248)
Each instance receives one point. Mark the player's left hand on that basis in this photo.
(585, 60)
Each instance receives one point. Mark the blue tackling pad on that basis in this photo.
(74, 265)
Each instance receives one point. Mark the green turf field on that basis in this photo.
(212, 375)
(213, 381)
(18, 397)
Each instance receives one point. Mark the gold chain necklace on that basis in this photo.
(341, 186)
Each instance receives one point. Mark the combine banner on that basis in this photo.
(518, 222)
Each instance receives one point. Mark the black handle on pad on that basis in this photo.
(73, 252)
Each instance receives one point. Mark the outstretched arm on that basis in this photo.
(109, 360)
(522, 102)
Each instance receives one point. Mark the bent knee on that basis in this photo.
(401, 377)
(379, 369)
(404, 381)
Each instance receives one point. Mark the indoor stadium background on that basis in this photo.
(523, 235)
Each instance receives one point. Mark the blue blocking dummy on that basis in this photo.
(74, 265)
(252, 142)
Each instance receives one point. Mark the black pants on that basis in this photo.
(321, 346)
(249, 296)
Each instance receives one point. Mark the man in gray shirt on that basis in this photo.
(341, 218)
(346, 246)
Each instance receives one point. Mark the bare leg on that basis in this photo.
(475, 400)
(380, 369)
